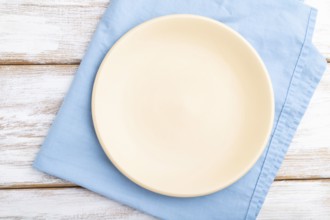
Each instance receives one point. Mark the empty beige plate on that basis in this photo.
(183, 105)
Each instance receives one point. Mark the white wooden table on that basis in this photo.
(41, 45)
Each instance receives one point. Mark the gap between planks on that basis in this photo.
(49, 64)
(71, 185)
(61, 64)
(64, 63)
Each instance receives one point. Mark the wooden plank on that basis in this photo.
(297, 200)
(31, 96)
(58, 32)
(47, 31)
(62, 203)
(286, 200)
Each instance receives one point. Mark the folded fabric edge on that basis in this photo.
(84, 178)
(287, 123)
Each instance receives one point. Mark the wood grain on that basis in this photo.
(297, 200)
(30, 98)
(32, 94)
(67, 203)
(58, 32)
(47, 31)
(286, 200)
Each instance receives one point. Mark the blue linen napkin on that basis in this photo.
(281, 32)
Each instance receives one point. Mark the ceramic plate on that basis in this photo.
(183, 105)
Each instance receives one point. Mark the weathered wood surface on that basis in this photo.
(62, 203)
(286, 200)
(58, 32)
(31, 96)
(297, 200)
(47, 31)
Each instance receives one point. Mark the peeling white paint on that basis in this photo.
(55, 2)
(27, 34)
